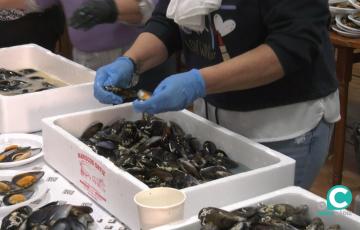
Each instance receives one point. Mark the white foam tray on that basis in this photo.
(114, 188)
(290, 195)
(23, 113)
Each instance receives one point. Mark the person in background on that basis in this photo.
(103, 29)
(264, 69)
(42, 28)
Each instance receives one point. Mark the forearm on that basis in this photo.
(12, 4)
(130, 18)
(130, 12)
(147, 51)
(128, 7)
(254, 68)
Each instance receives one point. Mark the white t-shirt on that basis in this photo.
(277, 123)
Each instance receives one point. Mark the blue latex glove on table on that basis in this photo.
(119, 74)
(174, 93)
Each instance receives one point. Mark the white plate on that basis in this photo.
(345, 27)
(40, 192)
(344, 33)
(353, 2)
(35, 141)
(337, 10)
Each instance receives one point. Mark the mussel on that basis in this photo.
(7, 187)
(298, 220)
(27, 71)
(36, 78)
(91, 131)
(6, 74)
(246, 212)
(143, 95)
(15, 219)
(26, 180)
(124, 93)
(214, 172)
(316, 224)
(220, 218)
(60, 216)
(48, 215)
(209, 147)
(18, 196)
(17, 153)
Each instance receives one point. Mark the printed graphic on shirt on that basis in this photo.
(10, 15)
(201, 43)
(222, 29)
(205, 43)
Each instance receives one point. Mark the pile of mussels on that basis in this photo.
(158, 153)
(261, 217)
(16, 83)
(19, 188)
(51, 216)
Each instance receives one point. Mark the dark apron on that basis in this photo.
(43, 28)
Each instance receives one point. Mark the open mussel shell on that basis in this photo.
(24, 153)
(18, 196)
(26, 180)
(7, 187)
(8, 152)
(15, 153)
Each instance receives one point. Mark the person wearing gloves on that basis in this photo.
(100, 30)
(264, 69)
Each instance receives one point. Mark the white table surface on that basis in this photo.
(62, 190)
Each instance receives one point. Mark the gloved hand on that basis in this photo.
(174, 93)
(119, 74)
(93, 12)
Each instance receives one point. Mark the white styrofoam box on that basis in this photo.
(290, 195)
(114, 188)
(23, 113)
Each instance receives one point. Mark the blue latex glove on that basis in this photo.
(119, 74)
(174, 93)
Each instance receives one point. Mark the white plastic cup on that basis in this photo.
(159, 206)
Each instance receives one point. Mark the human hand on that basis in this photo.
(119, 74)
(174, 93)
(93, 12)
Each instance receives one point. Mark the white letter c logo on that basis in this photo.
(333, 201)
